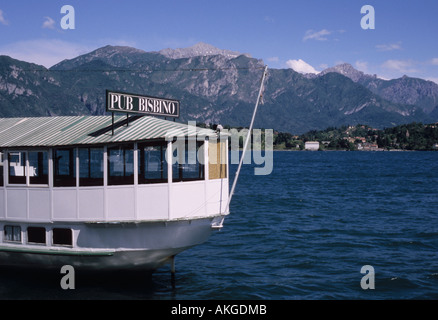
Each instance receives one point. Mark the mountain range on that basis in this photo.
(215, 86)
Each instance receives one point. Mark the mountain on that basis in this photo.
(331, 100)
(28, 89)
(213, 85)
(199, 49)
(115, 56)
(405, 90)
(349, 71)
(434, 113)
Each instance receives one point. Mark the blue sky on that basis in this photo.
(306, 35)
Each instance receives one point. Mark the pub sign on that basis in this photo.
(133, 103)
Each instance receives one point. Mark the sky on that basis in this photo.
(307, 36)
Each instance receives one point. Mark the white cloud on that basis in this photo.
(392, 69)
(362, 66)
(49, 23)
(46, 52)
(273, 59)
(389, 47)
(317, 35)
(402, 66)
(3, 19)
(433, 79)
(301, 66)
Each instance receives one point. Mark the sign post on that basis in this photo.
(140, 104)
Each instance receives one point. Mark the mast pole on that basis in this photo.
(247, 139)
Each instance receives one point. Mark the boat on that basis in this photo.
(112, 192)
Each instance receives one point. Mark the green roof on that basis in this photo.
(79, 130)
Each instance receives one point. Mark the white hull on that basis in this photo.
(114, 246)
(101, 195)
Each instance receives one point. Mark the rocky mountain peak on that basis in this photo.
(114, 55)
(346, 70)
(199, 49)
(109, 51)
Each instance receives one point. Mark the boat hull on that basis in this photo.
(146, 260)
(114, 246)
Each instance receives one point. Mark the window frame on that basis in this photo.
(124, 179)
(59, 243)
(2, 182)
(13, 227)
(35, 228)
(179, 174)
(14, 179)
(88, 180)
(64, 180)
(141, 168)
(41, 179)
(43, 164)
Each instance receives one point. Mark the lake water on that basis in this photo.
(302, 232)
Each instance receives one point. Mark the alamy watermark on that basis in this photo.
(68, 20)
(368, 280)
(368, 21)
(68, 281)
(259, 150)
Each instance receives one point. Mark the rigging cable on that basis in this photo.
(227, 208)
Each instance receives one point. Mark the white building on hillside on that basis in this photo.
(312, 145)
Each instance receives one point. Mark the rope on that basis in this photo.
(247, 140)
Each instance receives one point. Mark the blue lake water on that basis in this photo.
(302, 232)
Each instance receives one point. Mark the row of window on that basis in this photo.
(31, 167)
(37, 235)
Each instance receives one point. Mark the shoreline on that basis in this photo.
(394, 150)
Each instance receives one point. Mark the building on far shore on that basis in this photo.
(311, 145)
(369, 147)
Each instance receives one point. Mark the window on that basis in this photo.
(12, 233)
(38, 167)
(121, 165)
(64, 168)
(34, 164)
(152, 165)
(186, 166)
(17, 167)
(62, 236)
(91, 166)
(1, 169)
(36, 235)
